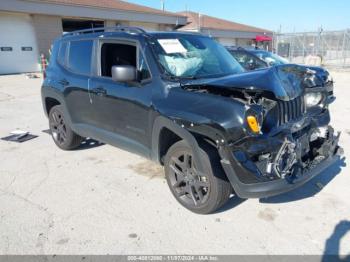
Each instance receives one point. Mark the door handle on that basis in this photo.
(63, 82)
(100, 91)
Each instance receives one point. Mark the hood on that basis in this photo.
(317, 69)
(286, 82)
(320, 72)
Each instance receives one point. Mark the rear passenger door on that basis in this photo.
(76, 81)
(122, 110)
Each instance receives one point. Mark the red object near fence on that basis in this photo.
(43, 63)
(262, 38)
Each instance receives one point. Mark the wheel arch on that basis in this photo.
(50, 98)
(50, 102)
(173, 132)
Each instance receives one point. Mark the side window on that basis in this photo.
(80, 53)
(61, 57)
(122, 54)
(258, 63)
(116, 54)
(248, 61)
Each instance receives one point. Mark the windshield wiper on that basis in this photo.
(178, 78)
(189, 77)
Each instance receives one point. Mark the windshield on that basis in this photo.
(193, 56)
(270, 58)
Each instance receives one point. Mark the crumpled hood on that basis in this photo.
(320, 72)
(286, 82)
(317, 69)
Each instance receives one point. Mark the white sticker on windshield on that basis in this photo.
(172, 46)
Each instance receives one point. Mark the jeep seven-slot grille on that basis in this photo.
(290, 110)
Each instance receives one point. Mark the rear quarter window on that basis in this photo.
(80, 53)
(61, 56)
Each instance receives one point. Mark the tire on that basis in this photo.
(200, 194)
(61, 133)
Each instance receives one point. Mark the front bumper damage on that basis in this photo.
(271, 165)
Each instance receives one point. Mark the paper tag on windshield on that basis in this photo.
(172, 46)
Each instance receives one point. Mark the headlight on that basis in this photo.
(313, 99)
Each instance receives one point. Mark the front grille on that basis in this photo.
(290, 110)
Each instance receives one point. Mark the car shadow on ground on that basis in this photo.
(87, 143)
(332, 245)
(311, 188)
(233, 202)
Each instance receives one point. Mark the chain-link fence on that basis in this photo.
(328, 48)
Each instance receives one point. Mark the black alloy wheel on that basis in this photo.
(62, 134)
(199, 192)
(58, 127)
(190, 187)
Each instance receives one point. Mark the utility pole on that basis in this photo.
(199, 22)
(162, 4)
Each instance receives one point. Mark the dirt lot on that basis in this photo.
(102, 200)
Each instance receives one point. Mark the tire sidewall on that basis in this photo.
(67, 145)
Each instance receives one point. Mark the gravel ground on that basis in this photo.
(102, 200)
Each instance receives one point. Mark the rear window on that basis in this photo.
(62, 53)
(79, 60)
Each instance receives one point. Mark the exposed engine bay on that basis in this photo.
(291, 155)
(294, 135)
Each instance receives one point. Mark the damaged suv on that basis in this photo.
(182, 100)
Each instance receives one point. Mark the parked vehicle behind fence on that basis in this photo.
(253, 59)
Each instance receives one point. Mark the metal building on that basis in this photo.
(28, 27)
(227, 32)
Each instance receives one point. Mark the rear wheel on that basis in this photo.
(200, 193)
(62, 134)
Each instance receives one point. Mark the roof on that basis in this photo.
(117, 32)
(210, 22)
(109, 4)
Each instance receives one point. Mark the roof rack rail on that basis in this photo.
(127, 29)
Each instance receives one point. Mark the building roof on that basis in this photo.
(109, 4)
(214, 23)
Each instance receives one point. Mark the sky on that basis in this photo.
(287, 15)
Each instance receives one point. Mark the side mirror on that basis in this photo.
(124, 73)
(271, 63)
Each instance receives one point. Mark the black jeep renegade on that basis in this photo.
(182, 100)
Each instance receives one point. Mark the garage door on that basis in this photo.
(227, 41)
(18, 48)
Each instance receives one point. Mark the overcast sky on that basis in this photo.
(298, 15)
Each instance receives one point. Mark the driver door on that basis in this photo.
(121, 110)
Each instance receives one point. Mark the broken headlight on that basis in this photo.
(329, 78)
(313, 99)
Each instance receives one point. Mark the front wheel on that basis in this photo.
(62, 134)
(200, 193)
